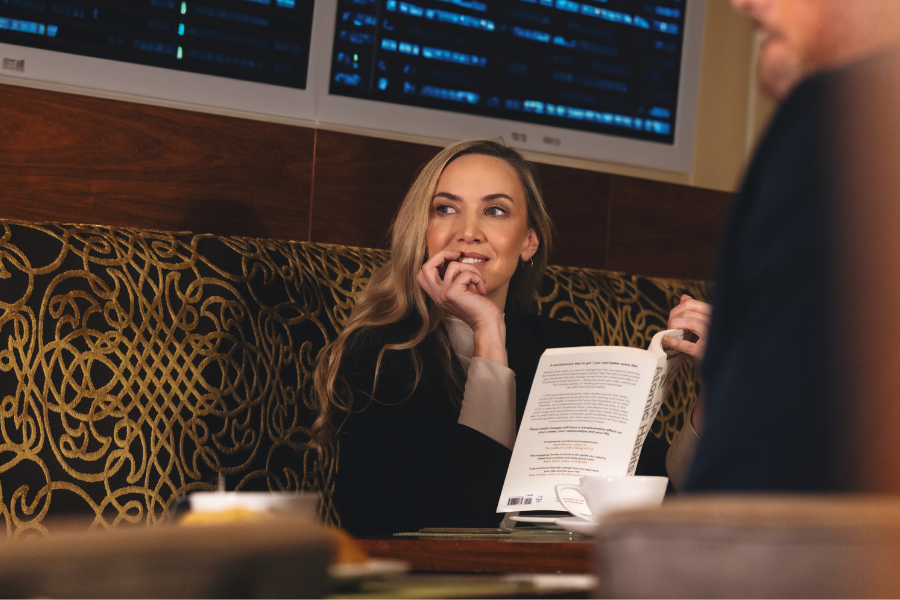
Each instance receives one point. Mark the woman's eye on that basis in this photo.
(444, 209)
(495, 211)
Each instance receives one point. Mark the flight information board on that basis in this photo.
(263, 41)
(609, 67)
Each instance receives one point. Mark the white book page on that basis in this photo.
(588, 413)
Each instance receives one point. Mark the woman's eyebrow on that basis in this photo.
(488, 198)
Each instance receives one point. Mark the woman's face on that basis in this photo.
(479, 208)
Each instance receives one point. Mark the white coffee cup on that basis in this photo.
(294, 503)
(606, 493)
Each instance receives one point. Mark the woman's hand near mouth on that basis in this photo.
(459, 288)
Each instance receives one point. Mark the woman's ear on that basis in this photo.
(530, 246)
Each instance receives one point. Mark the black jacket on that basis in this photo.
(405, 463)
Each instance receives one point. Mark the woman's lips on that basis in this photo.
(471, 258)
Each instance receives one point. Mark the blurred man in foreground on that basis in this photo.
(775, 410)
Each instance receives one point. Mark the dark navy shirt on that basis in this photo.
(769, 412)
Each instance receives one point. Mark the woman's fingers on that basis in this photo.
(680, 345)
(440, 259)
(425, 282)
(698, 324)
(695, 350)
(462, 275)
(434, 267)
(447, 281)
(693, 316)
(688, 304)
(431, 275)
(690, 308)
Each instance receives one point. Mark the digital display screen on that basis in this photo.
(604, 80)
(603, 66)
(262, 41)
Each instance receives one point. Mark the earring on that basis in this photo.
(529, 264)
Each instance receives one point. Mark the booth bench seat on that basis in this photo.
(137, 366)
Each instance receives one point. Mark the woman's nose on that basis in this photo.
(471, 230)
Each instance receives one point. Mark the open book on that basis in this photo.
(588, 413)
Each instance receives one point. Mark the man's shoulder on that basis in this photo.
(805, 111)
(791, 166)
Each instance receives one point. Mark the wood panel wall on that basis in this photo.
(73, 158)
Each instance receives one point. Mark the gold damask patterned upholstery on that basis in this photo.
(136, 366)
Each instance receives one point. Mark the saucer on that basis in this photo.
(370, 569)
(542, 522)
(297, 503)
(578, 525)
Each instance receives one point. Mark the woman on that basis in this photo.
(427, 383)
(692, 316)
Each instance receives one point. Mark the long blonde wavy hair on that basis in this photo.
(393, 293)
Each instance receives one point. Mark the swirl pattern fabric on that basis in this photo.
(136, 366)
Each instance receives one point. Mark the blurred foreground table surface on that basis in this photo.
(289, 558)
(531, 551)
(527, 563)
(472, 586)
(277, 558)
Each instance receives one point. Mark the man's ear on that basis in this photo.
(529, 248)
